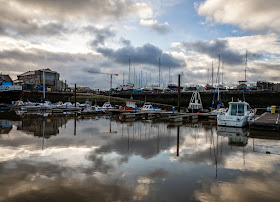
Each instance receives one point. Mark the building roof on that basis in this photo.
(47, 70)
(27, 73)
(6, 78)
(34, 71)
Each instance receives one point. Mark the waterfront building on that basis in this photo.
(34, 80)
(5, 80)
(6, 84)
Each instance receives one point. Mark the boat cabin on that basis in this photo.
(238, 108)
(107, 105)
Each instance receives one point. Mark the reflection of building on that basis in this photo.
(34, 80)
(236, 136)
(42, 126)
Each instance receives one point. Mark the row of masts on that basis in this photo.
(138, 81)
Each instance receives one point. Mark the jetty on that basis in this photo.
(267, 121)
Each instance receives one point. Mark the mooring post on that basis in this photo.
(179, 92)
(75, 94)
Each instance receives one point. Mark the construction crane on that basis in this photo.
(106, 74)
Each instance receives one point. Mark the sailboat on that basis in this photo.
(208, 86)
(220, 106)
(242, 85)
(195, 104)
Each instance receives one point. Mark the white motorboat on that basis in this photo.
(107, 105)
(149, 107)
(237, 115)
(67, 104)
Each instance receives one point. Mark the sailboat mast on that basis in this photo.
(129, 71)
(146, 79)
(169, 76)
(246, 66)
(212, 73)
(223, 73)
(141, 79)
(150, 79)
(158, 72)
(218, 77)
(134, 77)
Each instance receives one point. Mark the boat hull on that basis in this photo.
(224, 120)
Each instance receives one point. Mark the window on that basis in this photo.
(233, 109)
(240, 110)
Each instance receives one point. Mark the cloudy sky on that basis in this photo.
(75, 36)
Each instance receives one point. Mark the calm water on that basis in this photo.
(103, 159)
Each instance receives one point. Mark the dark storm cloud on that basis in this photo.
(221, 47)
(147, 54)
(14, 22)
(100, 34)
(125, 42)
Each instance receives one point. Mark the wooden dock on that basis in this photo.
(173, 117)
(266, 121)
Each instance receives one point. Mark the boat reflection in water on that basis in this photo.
(90, 158)
(236, 136)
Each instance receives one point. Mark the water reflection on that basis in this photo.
(103, 159)
(236, 136)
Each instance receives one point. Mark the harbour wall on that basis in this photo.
(255, 99)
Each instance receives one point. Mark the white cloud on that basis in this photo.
(256, 15)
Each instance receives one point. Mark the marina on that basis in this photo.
(105, 158)
(139, 100)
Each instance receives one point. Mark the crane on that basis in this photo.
(93, 72)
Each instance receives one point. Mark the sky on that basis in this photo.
(74, 37)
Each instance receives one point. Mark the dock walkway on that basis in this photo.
(266, 121)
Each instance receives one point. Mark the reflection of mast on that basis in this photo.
(127, 138)
(43, 134)
(178, 134)
(158, 141)
(75, 125)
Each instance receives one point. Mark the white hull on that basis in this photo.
(233, 121)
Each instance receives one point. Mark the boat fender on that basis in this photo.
(120, 108)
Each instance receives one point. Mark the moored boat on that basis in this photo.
(195, 104)
(107, 105)
(237, 115)
(149, 107)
